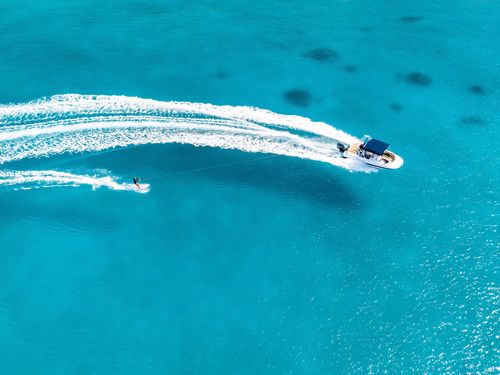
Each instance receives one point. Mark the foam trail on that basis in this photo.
(82, 123)
(26, 180)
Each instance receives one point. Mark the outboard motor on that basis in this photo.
(342, 147)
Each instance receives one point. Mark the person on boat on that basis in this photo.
(136, 182)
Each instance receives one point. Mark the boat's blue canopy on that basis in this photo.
(376, 146)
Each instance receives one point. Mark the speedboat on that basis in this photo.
(372, 152)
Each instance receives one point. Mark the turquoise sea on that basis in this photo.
(252, 248)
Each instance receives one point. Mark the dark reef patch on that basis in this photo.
(396, 107)
(366, 29)
(298, 97)
(472, 120)
(477, 90)
(417, 79)
(410, 19)
(350, 69)
(321, 54)
(221, 75)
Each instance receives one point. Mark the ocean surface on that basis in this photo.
(252, 248)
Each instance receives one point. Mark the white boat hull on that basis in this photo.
(397, 163)
(386, 160)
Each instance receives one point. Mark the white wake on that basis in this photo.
(27, 180)
(82, 123)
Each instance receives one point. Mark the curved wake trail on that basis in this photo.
(82, 123)
(27, 180)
